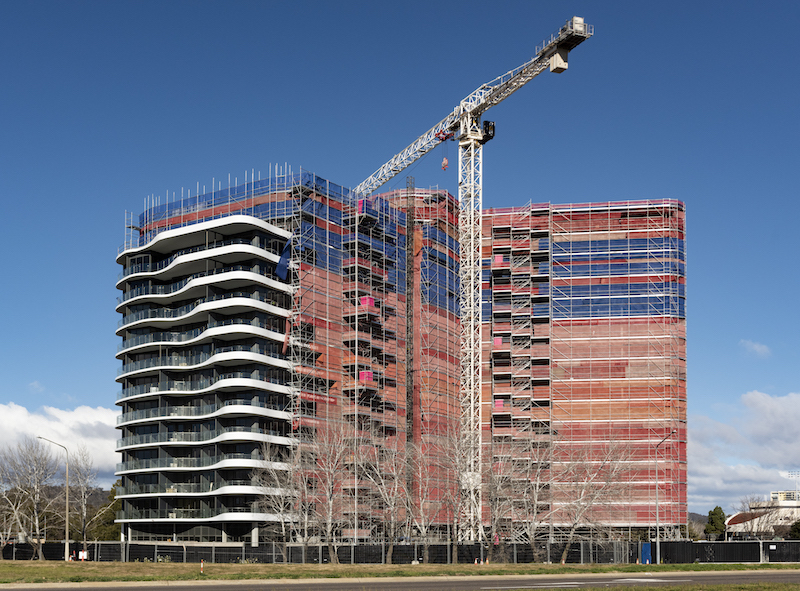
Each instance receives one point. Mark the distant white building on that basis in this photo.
(765, 519)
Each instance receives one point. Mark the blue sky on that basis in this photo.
(105, 103)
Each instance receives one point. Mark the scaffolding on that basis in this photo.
(584, 345)
(618, 346)
(582, 331)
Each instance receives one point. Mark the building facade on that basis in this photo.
(584, 365)
(268, 317)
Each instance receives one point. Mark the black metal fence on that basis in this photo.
(581, 552)
(275, 553)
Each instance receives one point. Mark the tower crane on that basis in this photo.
(465, 123)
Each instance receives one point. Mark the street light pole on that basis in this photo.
(658, 524)
(66, 510)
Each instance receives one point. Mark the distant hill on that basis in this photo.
(698, 517)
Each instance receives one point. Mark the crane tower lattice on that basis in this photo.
(472, 133)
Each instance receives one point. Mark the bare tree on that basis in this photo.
(532, 503)
(26, 473)
(332, 454)
(695, 529)
(432, 477)
(286, 495)
(454, 450)
(385, 469)
(588, 479)
(7, 523)
(83, 485)
(498, 496)
(755, 517)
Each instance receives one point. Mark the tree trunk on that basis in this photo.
(566, 549)
(389, 552)
(533, 551)
(333, 556)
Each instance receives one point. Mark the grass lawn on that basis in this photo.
(56, 571)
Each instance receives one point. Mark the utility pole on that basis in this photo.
(658, 524)
(66, 502)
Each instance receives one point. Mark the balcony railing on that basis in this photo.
(178, 285)
(180, 488)
(195, 411)
(153, 267)
(203, 462)
(196, 385)
(197, 359)
(182, 513)
(193, 436)
(171, 313)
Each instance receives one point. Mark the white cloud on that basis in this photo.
(92, 427)
(35, 387)
(756, 349)
(746, 457)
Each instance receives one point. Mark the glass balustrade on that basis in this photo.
(171, 313)
(153, 267)
(192, 436)
(195, 411)
(178, 285)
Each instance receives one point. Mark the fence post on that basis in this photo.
(155, 552)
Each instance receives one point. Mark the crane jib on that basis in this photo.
(553, 53)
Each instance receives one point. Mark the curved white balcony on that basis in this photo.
(185, 288)
(155, 340)
(230, 302)
(234, 380)
(244, 514)
(229, 407)
(218, 462)
(241, 354)
(212, 436)
(232, 224)
(193, 261)
(240, 487)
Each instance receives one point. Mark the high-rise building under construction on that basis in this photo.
(258, 318)
(584, 358)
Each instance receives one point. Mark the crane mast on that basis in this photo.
(464, 122)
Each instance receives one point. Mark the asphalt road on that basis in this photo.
(508, 583)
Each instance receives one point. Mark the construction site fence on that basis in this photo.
(580, 552)
(583, 552)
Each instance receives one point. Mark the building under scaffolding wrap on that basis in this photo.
(256, 319)
(584, 361)
(284, 313)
